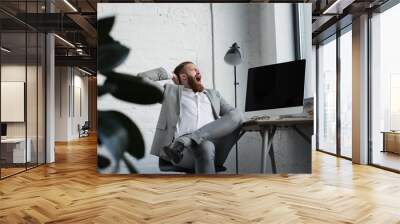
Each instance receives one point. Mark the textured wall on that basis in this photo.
(66, 101)
(61, 103)
(158, 35)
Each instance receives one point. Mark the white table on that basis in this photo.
(267, 130)
(18, 144)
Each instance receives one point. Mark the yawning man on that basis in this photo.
(196, 128)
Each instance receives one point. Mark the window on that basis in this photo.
(335, 94)
(346, 93)
(385, 89)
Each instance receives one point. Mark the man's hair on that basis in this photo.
(178, 69)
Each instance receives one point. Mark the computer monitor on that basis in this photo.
(3, 129)
(276, 89)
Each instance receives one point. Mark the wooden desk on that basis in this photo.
(267, 130)
(391, 141)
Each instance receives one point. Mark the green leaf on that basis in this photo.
(105, 40)
(119, 134)
(102, 162)
(110, 56)
(104, 26)
(132, 89)
(129, 165)
(101, 90)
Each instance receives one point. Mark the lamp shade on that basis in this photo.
(233, 56)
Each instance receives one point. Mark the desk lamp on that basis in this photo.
(233, 57)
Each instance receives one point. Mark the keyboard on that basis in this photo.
(258, 118)
(281, 117)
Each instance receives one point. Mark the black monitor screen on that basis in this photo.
(3, 129)
(276, 86)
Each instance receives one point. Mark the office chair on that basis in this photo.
(167, 166)
(84, 130)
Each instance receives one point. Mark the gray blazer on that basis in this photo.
(170, 109)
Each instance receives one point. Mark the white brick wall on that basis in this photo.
(167, 34)
(158, 35)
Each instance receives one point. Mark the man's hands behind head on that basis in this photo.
(175, 78)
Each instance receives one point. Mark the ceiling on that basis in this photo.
(76, 20)
(332, 15)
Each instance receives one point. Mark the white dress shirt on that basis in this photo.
(195, 112)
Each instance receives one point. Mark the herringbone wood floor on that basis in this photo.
(70, 191)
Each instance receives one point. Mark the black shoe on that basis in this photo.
(174, 152)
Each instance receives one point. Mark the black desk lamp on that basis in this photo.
(233, 57)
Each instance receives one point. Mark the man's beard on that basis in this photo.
(195, 85)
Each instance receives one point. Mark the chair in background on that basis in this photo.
(84, 130)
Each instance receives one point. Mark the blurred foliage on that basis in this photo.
(116, 132)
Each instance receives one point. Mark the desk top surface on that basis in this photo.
(391, 132)
(277, 122)
(13, 140)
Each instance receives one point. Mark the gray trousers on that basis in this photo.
(214, 141)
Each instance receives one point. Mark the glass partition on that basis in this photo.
(41, 91)
(22, 90)
(32, 87)
(327, 95)
(346, 93)
(13, 111)
(31, 99)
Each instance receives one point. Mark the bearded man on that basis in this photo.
(196, 128)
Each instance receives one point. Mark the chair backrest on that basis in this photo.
(86, 125)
